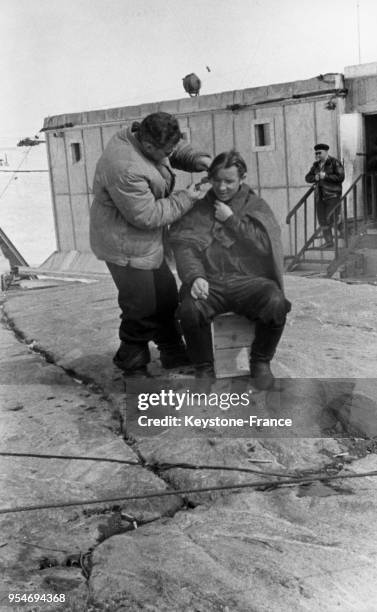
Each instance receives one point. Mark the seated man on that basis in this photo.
(229, 258)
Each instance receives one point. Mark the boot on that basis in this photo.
(262, 351)
(327, 236)
(260, 371)
(173, 356)
(132, 358)
(265, 341)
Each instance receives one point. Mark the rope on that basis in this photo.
(155, 466)
(266, 483)
(74, 457)
(189, 466)
(18, 171)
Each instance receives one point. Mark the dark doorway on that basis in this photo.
(371, 142)
(371, 165)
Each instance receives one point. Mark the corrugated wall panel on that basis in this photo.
(201, 133)
(65, 223)
(327, 127)
(93, 150)
(242, 133)
(76, 167)
(81, 222)
(277, 200)
(272, 171)
(300, 128)
(223, 128)
(58, 164)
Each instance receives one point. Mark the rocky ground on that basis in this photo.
(308, 546)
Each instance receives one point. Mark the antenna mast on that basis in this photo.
(358, 30)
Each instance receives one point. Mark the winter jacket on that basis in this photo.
(247, 243)
(331, 186)
(133, 201)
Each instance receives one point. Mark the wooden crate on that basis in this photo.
(232, 336)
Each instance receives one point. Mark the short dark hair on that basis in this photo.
(226, 160)
(160, 129)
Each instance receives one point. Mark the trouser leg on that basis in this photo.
(195, 317)
(323, 208)
(136, 299)
(167, 334)
(265, 341)
(261, 300)
(148, 300)
(321, 211)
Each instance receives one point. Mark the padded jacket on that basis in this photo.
(134, 200)
(331, 186)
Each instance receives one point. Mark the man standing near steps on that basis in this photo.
(327, 174)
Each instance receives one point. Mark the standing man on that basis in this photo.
(327, 174)
(133, 203)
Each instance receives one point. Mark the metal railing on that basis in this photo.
(356, 208)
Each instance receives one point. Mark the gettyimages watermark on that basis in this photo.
(294, 408)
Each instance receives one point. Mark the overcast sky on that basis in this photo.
(60, 56)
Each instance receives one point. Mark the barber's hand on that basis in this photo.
(196, 191)
(200, 289)
(322, 175)
(203, 163)
(222, 211)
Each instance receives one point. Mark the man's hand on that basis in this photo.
(222, 211)
(322, 175)
(200, 289)
(195, 192)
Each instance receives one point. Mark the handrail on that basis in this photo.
(332, 216)
(299, 204)
(344, 196)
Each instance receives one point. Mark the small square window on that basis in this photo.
(75, 152)
(262, 135)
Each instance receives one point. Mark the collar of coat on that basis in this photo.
(329, 160)
(199, 227)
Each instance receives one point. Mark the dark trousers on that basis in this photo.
(258, 299)
(323, 207)
(148, 300)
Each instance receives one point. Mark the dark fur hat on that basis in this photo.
(321, 147)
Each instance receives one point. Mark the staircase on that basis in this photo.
(354, 223)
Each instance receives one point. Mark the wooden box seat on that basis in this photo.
(232, 336)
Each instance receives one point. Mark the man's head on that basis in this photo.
(158, 135)
(321, 152)
(226, 174)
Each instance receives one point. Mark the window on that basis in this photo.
(262, 135)
(75, 152)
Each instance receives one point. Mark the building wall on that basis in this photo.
(212, 123)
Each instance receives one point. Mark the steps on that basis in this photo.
(359, 262)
